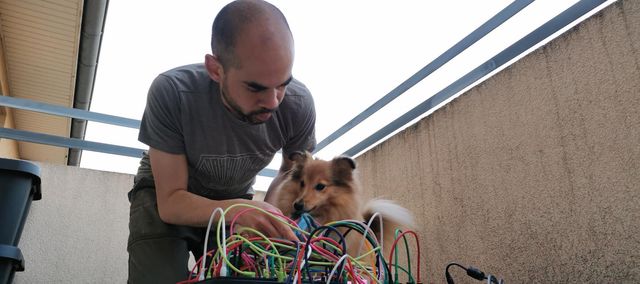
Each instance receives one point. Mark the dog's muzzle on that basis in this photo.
(298, 210)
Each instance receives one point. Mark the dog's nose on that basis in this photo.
(298, 206)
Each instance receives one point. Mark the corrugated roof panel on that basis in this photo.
(41, 41)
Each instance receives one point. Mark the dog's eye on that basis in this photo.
(320, 186)
(301, 183)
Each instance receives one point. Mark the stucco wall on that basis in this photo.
(533, 175)
(77, 232)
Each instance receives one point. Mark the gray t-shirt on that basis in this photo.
(185, 115)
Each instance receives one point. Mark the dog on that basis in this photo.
(330, 191)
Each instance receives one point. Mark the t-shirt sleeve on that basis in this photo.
(303, 137)
(161, 126)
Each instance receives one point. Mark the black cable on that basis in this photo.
(473, 272)
(447, 275)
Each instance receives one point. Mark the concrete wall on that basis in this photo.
(78, 232)
(533, 175)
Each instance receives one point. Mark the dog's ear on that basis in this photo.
(342, 169)
(297, 156)
(299, 159)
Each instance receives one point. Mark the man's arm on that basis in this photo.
(280, 177)
(178, 206)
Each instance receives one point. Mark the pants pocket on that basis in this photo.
(144, 220)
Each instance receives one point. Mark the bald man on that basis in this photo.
(210, 129)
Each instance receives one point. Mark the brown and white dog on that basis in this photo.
(329, 191)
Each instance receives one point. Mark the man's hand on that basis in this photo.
(269, 225)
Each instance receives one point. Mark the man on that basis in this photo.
(210, 129)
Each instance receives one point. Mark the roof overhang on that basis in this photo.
(51, 51)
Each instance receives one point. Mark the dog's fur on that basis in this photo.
(329, 191)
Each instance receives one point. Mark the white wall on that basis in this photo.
(77, 232)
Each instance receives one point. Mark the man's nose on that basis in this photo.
(271, 98)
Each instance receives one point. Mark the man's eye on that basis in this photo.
(319, 186)
(255, 88)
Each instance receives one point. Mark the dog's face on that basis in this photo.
(324, 189)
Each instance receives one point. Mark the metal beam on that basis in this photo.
(64, 142)
(558, 22)
(74, 143)
(268, 173)
(434, 65)
(26, 104)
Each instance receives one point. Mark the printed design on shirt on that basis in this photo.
(224, 171)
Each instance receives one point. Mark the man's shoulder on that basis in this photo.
(177, 71)
(298, 99)
(192, 77)
(297, 88)
(298, 96)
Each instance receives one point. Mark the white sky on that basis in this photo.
(348, 53)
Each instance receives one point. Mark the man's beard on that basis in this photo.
(250, 117)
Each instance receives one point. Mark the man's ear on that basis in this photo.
(214, 67)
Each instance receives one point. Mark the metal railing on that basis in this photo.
(550, 27)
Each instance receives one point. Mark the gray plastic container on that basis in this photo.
(19, 185)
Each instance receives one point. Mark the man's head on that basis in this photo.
(252, 58)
